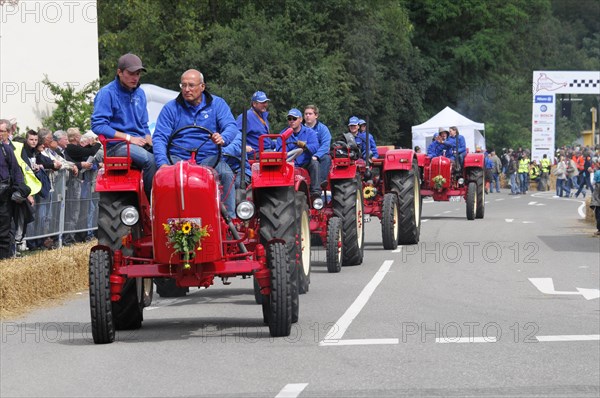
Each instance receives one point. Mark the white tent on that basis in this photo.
(422, 134)
(156, 98)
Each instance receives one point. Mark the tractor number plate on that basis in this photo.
(454, 198)
(367, 218)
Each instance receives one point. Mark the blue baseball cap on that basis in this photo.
(260, 96)
(294, 112)
(353, 121)
(361, 121)
(436, 135)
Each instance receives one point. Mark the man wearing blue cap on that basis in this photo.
(361, 138)
(120, 112)
(258, 120)
(311, 116)
(305, 138)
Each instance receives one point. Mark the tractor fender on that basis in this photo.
(398, 159)
(301, 184)
(474, 160)
(277, 176)
(422, 159)
(339, 172)
(130, 182)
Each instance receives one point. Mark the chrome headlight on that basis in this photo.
(461, 181)
(130, 216)
(318, 203)
(245, 210)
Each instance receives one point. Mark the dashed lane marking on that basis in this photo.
(291, 390)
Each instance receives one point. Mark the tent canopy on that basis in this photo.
(422, 134)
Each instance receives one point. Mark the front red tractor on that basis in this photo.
(134, 246)
(443, 183)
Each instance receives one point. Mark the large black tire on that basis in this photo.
(390, 221)
(348, 206)
(278, 221)
(334, 245)
(303, 246)
(258, 297)
(478, 176)
(406, 185)
(167, 287)
(127, 312)
(103, 327)
(471, 200)
(279, 303)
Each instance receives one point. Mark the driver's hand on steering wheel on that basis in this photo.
(217, 139)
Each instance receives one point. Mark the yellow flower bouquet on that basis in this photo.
(185, 236)
(439, 181)
(369, 191)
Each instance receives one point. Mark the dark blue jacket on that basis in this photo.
(118, 109)
(305, 134)
(212, 113)
(361, 141)
(256, 128)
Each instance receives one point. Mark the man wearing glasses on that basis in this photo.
(305, 138)
(196, 106)
(120, 112)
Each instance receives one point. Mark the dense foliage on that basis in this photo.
(395, 62)
(73, 107)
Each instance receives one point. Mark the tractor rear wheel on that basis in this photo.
(303, 245)
(471, 200)
(406, 185)
(167, 287)
(278, 221)
(103, 327)
(390, 221)
(127, 312)
(279, 302)
(334, 245)
(348, 206)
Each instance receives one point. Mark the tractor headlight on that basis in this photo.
(130, 216)
(461, 181)
(245, 210)
(318, 203)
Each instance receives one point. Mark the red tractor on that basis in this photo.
(443, 182)
(337, 219)
(134, 247)
(391, 191)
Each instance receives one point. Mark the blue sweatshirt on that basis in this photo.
(256, 128)
(324, 138)
(233, 153)
(361, 141)
(212, 113)
(450, 145)
(435, 149)
(305, 134)
(118, 109)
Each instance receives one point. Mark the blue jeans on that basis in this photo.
(496, 178)
(324, 166)
(141, 159)
(523, 182)
(226, 177)
(313, 171)
(514, 189)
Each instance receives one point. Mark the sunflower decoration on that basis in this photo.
(439, 181)
(184, 235)
(369, 191)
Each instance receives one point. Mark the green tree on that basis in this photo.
(73, 107)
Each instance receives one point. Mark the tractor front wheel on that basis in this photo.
(303, 245)
(406, 185)
(348, 207)
(278, 304)
(334, 245)
(389, 221)
(103, 327)
(471, 200)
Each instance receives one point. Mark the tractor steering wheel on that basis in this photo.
(293, 154)
(202, 129)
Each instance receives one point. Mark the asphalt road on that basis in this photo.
(470, 311)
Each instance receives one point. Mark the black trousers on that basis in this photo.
(5, 222)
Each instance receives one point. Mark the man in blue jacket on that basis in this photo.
(456, 148)
(120, 112)
(361, 140)
(311, 115)
(258, 120)
(305, 138)
(195, 106)
(436, 148)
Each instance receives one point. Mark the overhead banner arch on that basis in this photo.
(546, 84)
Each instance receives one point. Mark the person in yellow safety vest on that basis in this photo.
(545, 166)
(534, 171)
(523, 173)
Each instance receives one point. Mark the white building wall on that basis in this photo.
(38, 37)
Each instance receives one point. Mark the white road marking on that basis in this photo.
(291, 390)
(359, 342)
(546, 286)
(531, 203)
(572, 337)
(509, 219)
(499, 200)
(581, 210)
(528, 222)
(342, 324)
(447, 340)
(425, 220)
(541, 204)
(448, 211)
(397, 250)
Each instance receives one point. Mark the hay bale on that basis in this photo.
(43, 275)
